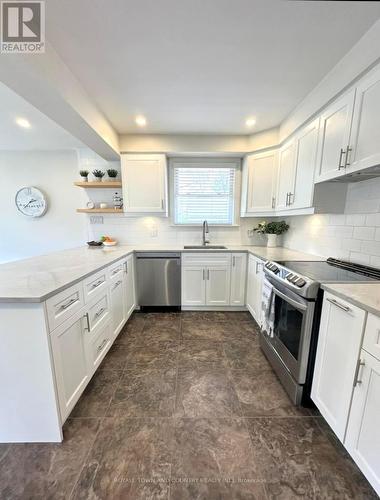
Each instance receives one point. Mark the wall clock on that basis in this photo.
(31, 202)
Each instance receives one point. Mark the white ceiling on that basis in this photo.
(44, 134)
(203, 66)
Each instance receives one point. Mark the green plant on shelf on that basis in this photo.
(112, 173)
(98, 174)
(278, 227)
(84, 174)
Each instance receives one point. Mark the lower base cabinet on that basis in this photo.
(118, 305)
(363, 436)
(129, 286)
(255, 278)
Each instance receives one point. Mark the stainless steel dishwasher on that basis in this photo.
(159, 280)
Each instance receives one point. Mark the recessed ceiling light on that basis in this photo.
(250, 122)
(140, 121)
(23, 122)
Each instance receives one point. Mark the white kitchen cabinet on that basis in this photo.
(259, 183)
(306, 142)
(238, 279)
(193, 286)
(71, 363)
(286, 175)
(365, 134)
(144, 179)
(118, 305)
(129, 286)
(255, 277)
(340, 337)
(218, 285)
(334, 137)
(363, 437)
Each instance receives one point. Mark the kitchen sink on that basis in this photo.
(205, 247)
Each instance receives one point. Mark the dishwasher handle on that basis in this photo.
(158, 255)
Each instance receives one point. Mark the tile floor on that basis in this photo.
(185, 406)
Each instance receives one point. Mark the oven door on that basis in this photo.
(293, 320)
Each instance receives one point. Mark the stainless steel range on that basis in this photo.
(292, 313)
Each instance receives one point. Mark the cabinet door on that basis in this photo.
(144, 183)
(218, 285)
(363, 436)
(118, 305)
(71, 364)
(193, 286)
(286, 175)
(365, 136)
(340, 336)
(254, 287)
(306, 155)
(259, 182)
(129, 286)
(238, 279)
(334, 136)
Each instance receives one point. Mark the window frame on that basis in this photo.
(228, 162)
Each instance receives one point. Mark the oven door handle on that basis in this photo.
(294, 303)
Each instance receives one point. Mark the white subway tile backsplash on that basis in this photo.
(359, 258)
(364, 233)
(372, 220)
(356, 220)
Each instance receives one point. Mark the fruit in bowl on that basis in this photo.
(108, 242)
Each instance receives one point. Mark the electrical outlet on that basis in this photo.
(154, 232)
(250, 233)
(96, 219)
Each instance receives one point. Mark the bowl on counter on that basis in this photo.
(109, 243)
(94, 243)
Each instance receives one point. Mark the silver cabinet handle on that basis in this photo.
(115, 271)
(68, 304)
(356, 378)
(126, 267)
(162, 204)
(98, 283)
(342, 152)
(208, 274)
(290, 198)
(338, 304)
(347, 163)
(273, 202)
(203, 274)
(117, 284)
(88, 322)
(99, 313)
(233, 260)
(102, 345)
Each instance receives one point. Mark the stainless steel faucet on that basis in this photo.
(205, 239)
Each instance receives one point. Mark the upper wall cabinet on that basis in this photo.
(334, 138)
(286, 175)
(144, 183)
(259, 183)
(364, 147)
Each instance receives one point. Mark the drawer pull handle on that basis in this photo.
(117, 284)
(102, 345)
(348, 151)
(126, 267)
(342, 152)
(87, 321)
(98, 283)
(68, 304)
(115, 271)
(99, 313)
(337, 304)
(356, 378)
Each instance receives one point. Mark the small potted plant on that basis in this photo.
(112, 173)
(98, 174)
(272, 230)
(84, 175)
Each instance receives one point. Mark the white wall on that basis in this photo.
(354, 235)
(61, 227)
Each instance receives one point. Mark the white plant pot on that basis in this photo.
(272, 240)
(84, 179)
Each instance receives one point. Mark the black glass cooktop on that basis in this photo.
(333, 271)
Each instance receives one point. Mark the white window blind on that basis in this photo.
(204, 193)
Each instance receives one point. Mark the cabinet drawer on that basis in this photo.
(206, 259)
(371, 341)
(99, 311)
(100, 345)
(115, 271)
(94, 284)
(63, 305)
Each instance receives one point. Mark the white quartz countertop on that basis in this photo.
(364, 295)
(38, 278)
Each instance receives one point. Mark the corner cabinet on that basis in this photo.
(145, 182)
(259, 183)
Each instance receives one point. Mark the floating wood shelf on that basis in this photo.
(100, 210)
(103, 184)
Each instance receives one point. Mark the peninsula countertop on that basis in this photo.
(38, 278)
(364, 295)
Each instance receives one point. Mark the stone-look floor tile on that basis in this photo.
(145, 393)
(207, 448)
(97, 395)
(205, 391)
(297, 460)
(222, 490)
(203, 330)
(241, 332)
(49, 471)
(158, 355)
(193, 353)
(241, 316)
(260, 394)
(116, 358)
(242, 356)
(134, 326)
(203, 316)
(127, 452)
(160, 333)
